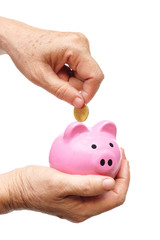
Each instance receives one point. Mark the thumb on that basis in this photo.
(60, 88)
(87, 185)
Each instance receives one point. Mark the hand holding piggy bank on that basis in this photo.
(87, 151)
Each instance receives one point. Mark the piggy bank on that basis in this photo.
(82, 150)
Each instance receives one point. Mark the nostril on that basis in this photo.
(110, 162)
(102, 162)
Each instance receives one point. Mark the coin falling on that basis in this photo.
(81, 114)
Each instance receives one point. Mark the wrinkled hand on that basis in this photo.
(72, 197)
(60, 62)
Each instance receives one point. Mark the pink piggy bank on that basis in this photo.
(87, 151)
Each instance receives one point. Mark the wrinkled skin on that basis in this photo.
(62, 64)
(59, 62)
(73, 197)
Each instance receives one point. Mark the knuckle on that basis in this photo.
(83, 212)
(79, 37)
(87, 187)
(60, 92)
(98, 75)
(101, 75)
(121, 200)
(83, 37)
(79, 219)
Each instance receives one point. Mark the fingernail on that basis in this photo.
(78, 102)
(108, 183)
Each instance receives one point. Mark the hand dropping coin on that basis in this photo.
(81, 114)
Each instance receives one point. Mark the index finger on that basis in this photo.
(90, 73)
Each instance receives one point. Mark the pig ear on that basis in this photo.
(106, 126)
(74, 129)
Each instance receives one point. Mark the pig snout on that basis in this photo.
(105, 163)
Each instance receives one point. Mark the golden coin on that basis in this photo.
(81, 114)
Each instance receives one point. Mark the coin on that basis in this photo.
(81, 114)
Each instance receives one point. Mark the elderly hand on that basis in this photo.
(73, 197)
(60, 62)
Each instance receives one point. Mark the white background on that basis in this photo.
(125, 40)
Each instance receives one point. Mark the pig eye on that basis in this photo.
(94, 146)
(111, 144)
(110, 162)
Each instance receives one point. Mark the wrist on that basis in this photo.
(3, 39)
(10, 31)
(11, 191)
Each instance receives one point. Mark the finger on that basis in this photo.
(60, 88)
(110, 199)
(87, 185)
(90, 73)
(65, 73)
(76, 83)
(123, 154)
(123, 176)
